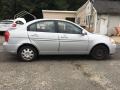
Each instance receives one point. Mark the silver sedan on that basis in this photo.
(56, 37)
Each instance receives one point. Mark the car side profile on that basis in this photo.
(56, 37)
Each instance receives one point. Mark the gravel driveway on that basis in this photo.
(59, 73)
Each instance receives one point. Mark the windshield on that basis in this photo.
(6, 22)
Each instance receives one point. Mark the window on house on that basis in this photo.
(78, 20)
(89, 19)
(70, 19)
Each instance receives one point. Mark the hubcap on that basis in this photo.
(100, 53)
(27, 54)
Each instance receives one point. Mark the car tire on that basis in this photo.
(100, 52)
(27, 53)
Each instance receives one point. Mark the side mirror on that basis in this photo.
(84, 33)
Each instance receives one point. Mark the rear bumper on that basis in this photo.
(10, 48)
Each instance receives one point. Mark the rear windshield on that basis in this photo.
(6, 22)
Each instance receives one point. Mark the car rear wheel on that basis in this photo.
(27, 53)
(100, 52)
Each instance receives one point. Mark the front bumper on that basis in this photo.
(113, 48)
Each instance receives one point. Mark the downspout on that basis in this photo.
(95, 21)
(108, 25)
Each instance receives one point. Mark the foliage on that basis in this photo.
(8, 8)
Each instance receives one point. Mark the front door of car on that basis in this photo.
(71, 39)
(43, 35)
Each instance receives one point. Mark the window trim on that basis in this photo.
(56, 31)
(28, 27)
(68, 23)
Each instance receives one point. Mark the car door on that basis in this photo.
(72, 41)
(43, 35)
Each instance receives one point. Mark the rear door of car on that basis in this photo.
(44, 35)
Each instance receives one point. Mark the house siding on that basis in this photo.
(102, 24)
(114, 21)
(58, 15)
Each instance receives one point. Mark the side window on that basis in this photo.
(65, 27)
(46, 26)
(32, 27)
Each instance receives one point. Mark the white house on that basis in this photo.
(100, 16)
(108, 15)
(87, 16)
(52, 14)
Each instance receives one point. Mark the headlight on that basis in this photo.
(112, 41)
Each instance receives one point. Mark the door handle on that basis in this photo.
(34, 35)
(64, 36)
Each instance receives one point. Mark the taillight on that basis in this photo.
(14, 25)
(7, 35)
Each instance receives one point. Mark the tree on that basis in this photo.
(75, 4)
(8, 8)
(0, 4)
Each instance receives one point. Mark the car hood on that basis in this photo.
(98, 37)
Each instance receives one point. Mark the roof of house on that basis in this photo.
(83, 7)
(107, 6)
(57, 11)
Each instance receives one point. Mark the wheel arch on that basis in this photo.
(28, 44)
(100, 44)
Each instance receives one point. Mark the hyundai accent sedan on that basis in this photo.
(56, 37)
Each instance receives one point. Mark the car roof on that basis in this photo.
(49, 19)
(36, 20)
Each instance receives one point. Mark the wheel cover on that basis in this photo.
(100, 53)
(27, 54)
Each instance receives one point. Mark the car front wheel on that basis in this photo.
(100, 52)
(27, 53)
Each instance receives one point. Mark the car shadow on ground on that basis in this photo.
(14, 58)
